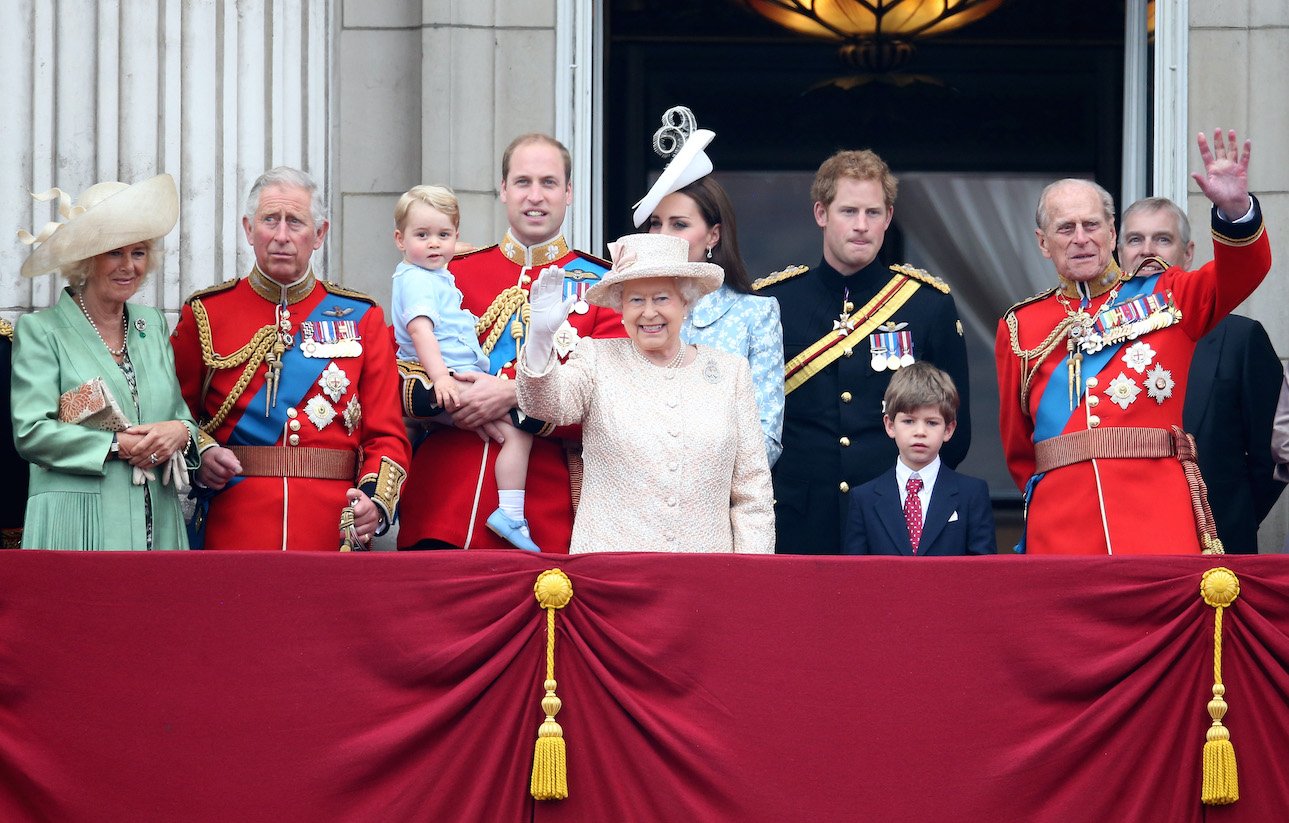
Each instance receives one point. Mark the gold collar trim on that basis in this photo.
(275, 292)
(543, 254)
(1111, 277)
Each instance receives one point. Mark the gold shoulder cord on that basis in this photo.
(252, 354)
(513, 300)
(1031, 359)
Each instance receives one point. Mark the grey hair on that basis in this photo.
(687, 287)
(1043, 219)
(287, 176)
(1154, 204)
(77, 273)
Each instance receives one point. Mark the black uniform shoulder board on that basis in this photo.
(469, 252)
(779, 276)
(6, 328)
(336, 288)
(921, 275)
(1040, 296)
(215, 289)
(608, 264)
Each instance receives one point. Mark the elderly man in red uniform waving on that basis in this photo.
(452, 487)
(292, 380)
(1092, 373)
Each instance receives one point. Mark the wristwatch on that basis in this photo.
(115, 448)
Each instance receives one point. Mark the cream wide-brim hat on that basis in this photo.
(106, 216)
(641, 256)
(690, 163)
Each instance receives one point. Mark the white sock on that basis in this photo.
(511, 503)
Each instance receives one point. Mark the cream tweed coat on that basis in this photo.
(674, 459)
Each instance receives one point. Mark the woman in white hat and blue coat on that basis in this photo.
(686, 201)
(673, 454)
(93, 488)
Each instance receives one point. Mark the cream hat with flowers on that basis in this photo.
(106, 216)
(639, 256)
(682, 141)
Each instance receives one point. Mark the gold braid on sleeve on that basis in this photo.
(512, 301)
(252, 355)
(1031, 359)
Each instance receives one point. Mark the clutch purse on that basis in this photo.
(92, 404)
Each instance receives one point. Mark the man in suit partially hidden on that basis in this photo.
(1232, 390)
(920, 506)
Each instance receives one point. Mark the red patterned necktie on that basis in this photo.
(913, 511)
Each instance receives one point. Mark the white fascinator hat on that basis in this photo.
(682, 141)
(106, 216)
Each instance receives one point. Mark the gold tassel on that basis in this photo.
(1219, 588)
(553, 590)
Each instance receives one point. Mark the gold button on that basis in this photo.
(1094, 421)
(844, 486)
(848, 353)
(292, 413)
(848, 306)
(1092, 382)
(294, 440)
(509, 364)
(286, 314)
(845, 397)
(845, 441)
(1093, 400)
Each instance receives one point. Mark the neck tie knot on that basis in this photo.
(914, 485)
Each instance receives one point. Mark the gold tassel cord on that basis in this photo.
(1219, 587)
(553, 591)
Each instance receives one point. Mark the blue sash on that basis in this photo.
(506, 348)
(1054, 412)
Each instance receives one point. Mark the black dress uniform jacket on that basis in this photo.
(833, 437)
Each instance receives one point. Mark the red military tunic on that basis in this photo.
(1142, 503)
(452, 487)
(345, 401)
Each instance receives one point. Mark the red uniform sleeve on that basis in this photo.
(1014, 423)
(383, 434)
(189, 367)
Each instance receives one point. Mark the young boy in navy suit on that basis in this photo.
(920, 506)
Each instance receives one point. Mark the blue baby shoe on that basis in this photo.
(514, 532)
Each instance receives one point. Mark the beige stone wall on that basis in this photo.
(431, 92)
(1239, 55)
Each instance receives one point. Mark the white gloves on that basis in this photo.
(547, 310)
(174, 472)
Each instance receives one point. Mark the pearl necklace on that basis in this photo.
(125, 328)
(675, 361)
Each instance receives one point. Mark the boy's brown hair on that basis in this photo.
(439, 198)
(919, 385)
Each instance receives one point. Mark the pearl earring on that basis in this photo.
(709, 252)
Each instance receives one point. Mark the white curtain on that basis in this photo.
(976, 231)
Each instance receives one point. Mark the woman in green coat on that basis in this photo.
(93, 488)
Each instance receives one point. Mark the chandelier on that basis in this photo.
(876, 35)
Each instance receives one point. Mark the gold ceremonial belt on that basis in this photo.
(302, 461)
(1128, 441)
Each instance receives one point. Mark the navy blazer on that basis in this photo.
(876, 522)
(1231, 399)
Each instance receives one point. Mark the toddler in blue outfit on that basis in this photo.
(432, 328)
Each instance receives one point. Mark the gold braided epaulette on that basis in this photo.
(6, 328)
(779, 276)
(215, 289)
(921, 275)
(1040, 296)
(463, 254)
(344, 291)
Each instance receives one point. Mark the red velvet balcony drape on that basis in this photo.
(219, 687)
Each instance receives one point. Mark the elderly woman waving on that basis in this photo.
(672, 446)
(96, 406)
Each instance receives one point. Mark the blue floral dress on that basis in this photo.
(748, 326)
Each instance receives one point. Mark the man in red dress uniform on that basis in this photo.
(452, 487)
(1092, 373)
(292, 380)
